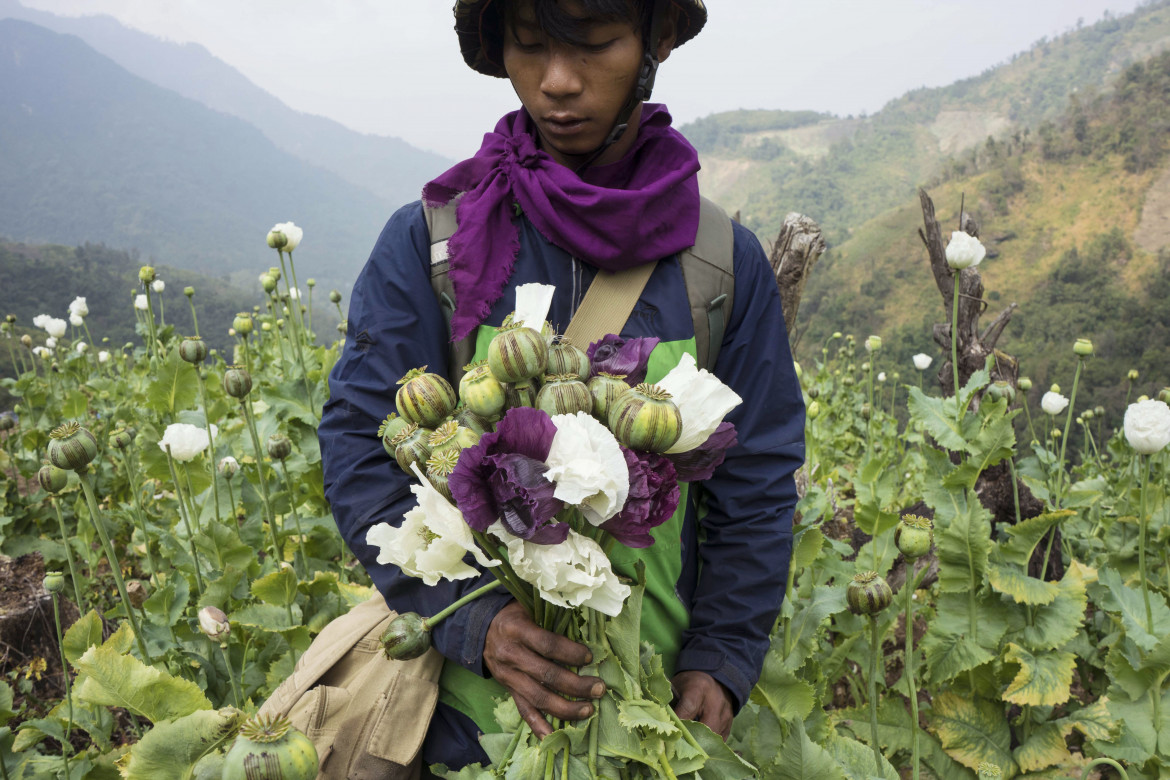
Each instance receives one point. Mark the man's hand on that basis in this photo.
(530, 662)
(703, 698)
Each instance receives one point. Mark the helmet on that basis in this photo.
(481, 43)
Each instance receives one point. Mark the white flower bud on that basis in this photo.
(103, 356)
(922, 361)
(158, 285)
(1053, 403)
(141, 303)
(214, 624)
(76, 321)
(51, 343)
(1147, 426)
(964, 251)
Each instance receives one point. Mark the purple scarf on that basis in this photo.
(635, 211)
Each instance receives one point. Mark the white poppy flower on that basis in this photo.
(186, 441)
(51, 342)
(79, 307)
(1147, 426)
(881, 377)
(1053, 403)
(292, 235)
(76, 321)
(586, 463)
(922, 361)
(42, 352)
(81, 347)
(964, 251)
(104, 356)
(294, 294)
(532, 304)
(158, 285)
(574, 573)
(40, 320)
(141, 303)
(702, 400)
(55, 327)
(432, 540)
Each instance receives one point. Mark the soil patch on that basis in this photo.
(1153, 231)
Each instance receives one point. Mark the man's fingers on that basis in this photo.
(544, 700)
(532, 716)
(556, 647)
(690, 704)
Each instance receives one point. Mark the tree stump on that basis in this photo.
(797, 249)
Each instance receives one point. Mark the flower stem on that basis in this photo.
(1015, 486)
(65, 677)
(1108, 761)
(186, 522)
(1072, 403)
(1142, 546)
(260, 475)
(875, 651)
(150, 321)
(194, 318)
(292, 500)
(115, 569)
(210, 439)
(909, 587)
(69, 557)
(132, 476)
(227, 659)
(954, 358)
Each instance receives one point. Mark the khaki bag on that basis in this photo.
(366, 714)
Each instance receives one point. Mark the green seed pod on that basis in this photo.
(470, 420)
(54, 582)
(914, 536)
(813, 411)
(267, 282)
(873, 343)
(1024, 383)
(439, 468)
(189, 291)
(451, 436)
(605, 389)
(1001, 390)
(480, 391)
(7, 422)
(1132, 375)
(868, 594)
(26, 341)
(814, 393)
(564, 358)
(269, 748)
(276, 239)
(146, 274)
(410, 446)
(279, 446)
(646, 419)
(847, 381)
(564, 394)
(274, 272)
(193, 350)
(522, 393)
(424, 398)
(72, 447)
(237, 382)
(391, 427)
(517, 353)
(1083, 348)
(243, 323)
(407, 637)
(334, 296)
(1164, 395)
(311, 282)
(866, 411)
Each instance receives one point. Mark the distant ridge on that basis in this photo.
(93, 153)
(389, 167)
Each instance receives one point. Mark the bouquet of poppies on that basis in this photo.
(546, 458)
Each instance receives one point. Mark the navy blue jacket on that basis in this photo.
(735, 559)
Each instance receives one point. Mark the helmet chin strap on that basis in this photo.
(642, 89)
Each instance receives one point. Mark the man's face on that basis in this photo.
(574, 92)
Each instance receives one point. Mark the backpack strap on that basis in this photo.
(709, 273)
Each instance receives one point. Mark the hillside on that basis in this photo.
(844, 171)
(1071, 219)
(389, 167)
(95, 154)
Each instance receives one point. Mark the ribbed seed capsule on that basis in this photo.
(391, 427)
(868, 594)
(605, 389)
(522, 393)
(120, 439)
(914, 536)
(72, 447)
(406, 637)
(237, 382)
(564, 358)
(517, 353)
(481, 392)
(439, 468)
(410, 446)
(279, 446)
(452, 436)
(470, 420)
(564, 394)
(193, 350)
(646, 419)
(424, 398)
(269, 748)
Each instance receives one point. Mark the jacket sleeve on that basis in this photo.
(746, 534)
(394, 325)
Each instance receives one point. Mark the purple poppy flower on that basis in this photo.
(502, 478)
(653, 499)
(622, 357)
(700, 463)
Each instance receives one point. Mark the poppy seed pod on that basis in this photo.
(1024, 383)
(193, 350)
(311, 282)
(277, 239)
(189, 291)
(54, 582)
(868, 594)
(52, 479)
(334, 296)
(267, 282)
(1083, 348)
(26, 341)
(242, 324)
(7, 422)
(814, 410)
(914, 536)
(279, 446)
(120, 439)
(237, 382)
(146, 274)
(1002, 390)
(1132, 375)
(72, 447)
(407, 637)
(269, 748)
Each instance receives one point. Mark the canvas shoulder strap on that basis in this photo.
(708, 271)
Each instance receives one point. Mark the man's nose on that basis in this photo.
(562, 73)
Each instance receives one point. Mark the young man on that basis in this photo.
(558, 191)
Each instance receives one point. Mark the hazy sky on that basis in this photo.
(393, 66)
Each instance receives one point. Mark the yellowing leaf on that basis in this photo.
(973, 730)
(1045, 748)
(1043, 679)
(1023, 589)
(82, 635)
(118, 680)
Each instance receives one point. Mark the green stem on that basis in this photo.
(260, 475)
(132, 476)
(194, 318)
(150, 321)
(69, 557)
(186, 522)
(505, 574)
(64, 676)
(442, 615)
(191, 501)
(875, 651)
(162, 317)
(231, 495)
(1028, 414)
(1107, 761)
(210, 440)
(954, 359)
(909, 663)
(667, 769)
(292, 499)
(227, 659)
(1072, 402)
(1047, 553)
(115, 569)
(1015, 487)
(1142, 547)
